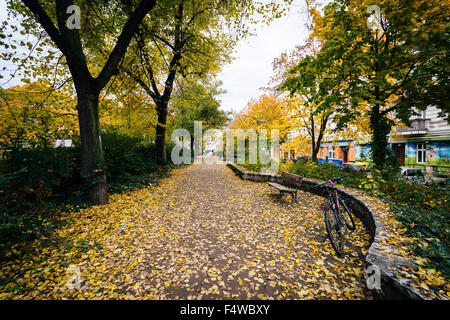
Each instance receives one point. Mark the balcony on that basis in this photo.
(418, 127)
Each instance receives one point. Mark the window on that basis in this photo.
(331, 152)
(420, 153)
(321, 152)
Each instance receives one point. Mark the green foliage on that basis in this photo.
(126, 156)
(395, 70)
(130, 161)
(32, 175)
(255, 167)
(197, 101)
(389, 170)
(28, 179)
(324, 171)
(424, 211)
(35, 182)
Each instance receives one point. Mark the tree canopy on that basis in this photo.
(379, 71)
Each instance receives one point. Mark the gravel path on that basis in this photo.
(229, 238)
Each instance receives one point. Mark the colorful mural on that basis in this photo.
(362, 152)
(410, 151)
(437, 153)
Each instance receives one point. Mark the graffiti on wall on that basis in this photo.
(362, 152)
(437, 153)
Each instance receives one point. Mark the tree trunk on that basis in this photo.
(313, 140)
(314, 153)
(161, 134)
(381, 129)
(92, 161)
(316, 143)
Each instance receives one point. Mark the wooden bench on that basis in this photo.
(291, 184)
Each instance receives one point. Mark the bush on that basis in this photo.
(28, 178)
(324, 171)
(34, 181)
(424, 211)
(33, 175)
(126, 156)
(254, 167)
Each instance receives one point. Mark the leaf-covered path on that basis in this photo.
(201, 234)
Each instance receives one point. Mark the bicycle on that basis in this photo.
(338, 217)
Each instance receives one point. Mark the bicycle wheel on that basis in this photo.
(334, 230)
(346, 215)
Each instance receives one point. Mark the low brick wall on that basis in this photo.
(381, 256)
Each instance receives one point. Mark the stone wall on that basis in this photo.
(382, 257)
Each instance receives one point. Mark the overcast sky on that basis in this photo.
(2, 10)
(252, 68)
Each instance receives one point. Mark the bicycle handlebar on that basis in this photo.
(339, 178)
(333, 179)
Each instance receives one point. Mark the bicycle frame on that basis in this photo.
(333, 200)
(333, 197)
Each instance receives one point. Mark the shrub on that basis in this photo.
(424, 211)
(34, 181)
(324, 171)
(254, 167)
(33, 175)
(126, 156)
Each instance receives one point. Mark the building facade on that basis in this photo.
(339, 152)
(425, 144)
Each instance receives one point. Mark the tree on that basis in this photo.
(32, 118)
(300, 73)
(311, 91)
(53, 18)
(135, 114)
(265, 113)
(397, 65)
(197, 101)
(188, 39)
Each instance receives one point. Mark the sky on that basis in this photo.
(252, 67)
(2, 10)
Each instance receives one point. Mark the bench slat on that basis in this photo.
(280, 187)
(292, 179)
